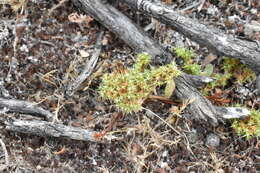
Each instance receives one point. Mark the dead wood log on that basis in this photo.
(123, 27)
(200, 108)
(224, 44)
(44, 129)
(20, 106)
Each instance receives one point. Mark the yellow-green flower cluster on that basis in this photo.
(130, 87)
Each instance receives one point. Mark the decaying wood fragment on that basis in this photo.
(43, 128)
(123, 27)
(232, 112)
(25, 107)
(135, 37)
(248, 52)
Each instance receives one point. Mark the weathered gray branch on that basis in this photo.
(43, 128)
(12, 105)
(122, 26)
(88, 69)
(198, 81)
(7, 162)
(135, 37)
(223, 44)
(199, 107)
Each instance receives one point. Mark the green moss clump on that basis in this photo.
(248, 127)
(194, 69)
(188, 65)
(233, 69)
(221, 80)
(238, 70)
(130, 87)
(185, 54)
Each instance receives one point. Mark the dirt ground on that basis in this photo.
(48, 51)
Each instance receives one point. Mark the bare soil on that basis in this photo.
(48, 51)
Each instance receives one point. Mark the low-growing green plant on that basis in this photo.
(128, 88)
(188, 65)
(194, 69)
(248, 127)
(185, 54)
(221, 80)
(233, 69)
(238, 70)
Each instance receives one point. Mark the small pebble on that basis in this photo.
(253, 11)
(212, 140)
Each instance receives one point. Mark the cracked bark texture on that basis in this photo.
(200, 108)
(123, 27)
(248, 52)
(139, 41)
(25, 107)
(43, 128)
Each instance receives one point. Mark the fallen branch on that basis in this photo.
(134, 36)
(43, 128)
(139, 41)
(122, 26)
(12, 105)
(198, 81)
(224, 44)
(88, 69)
(199, 107)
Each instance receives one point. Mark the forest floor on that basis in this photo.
(49, 50)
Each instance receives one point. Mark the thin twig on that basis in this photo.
(88, 69)
(169, 125)
(195, 4)
(5, 152)
(56, 6)
(151, 112)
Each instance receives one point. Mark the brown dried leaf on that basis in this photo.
(79, 18)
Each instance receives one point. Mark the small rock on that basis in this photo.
(253, 11)
(212, 140)
(212, 10)
(24, 48)
(33, 59)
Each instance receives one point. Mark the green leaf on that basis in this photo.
(208, 70)
(169, 88)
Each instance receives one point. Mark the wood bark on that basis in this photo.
(224, 44)
(135, 37)
(43, 128)
(123, 27)
(25, 107)
(199, 107)
(139, 41)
